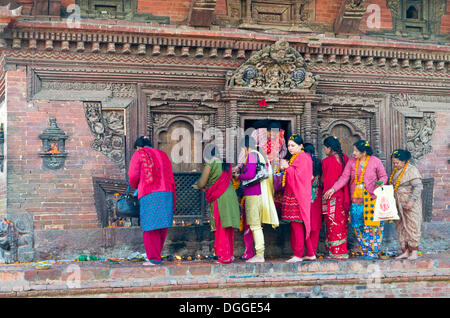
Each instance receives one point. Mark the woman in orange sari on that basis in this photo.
(336, 208)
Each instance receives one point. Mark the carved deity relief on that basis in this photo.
(108, 129)
(419, 133)
(277, 66)
(419, 129)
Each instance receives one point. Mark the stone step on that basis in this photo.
(427, 275)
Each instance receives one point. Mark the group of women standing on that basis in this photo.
(338, 189)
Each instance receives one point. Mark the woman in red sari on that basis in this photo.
(297, 198)
(150, 172)
(336, 208)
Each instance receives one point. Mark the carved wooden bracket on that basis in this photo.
(350, 16)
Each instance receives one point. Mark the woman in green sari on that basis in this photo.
(224, 205)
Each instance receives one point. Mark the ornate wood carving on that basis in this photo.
(282, 14)
(116, 9)
(276, 67)
(109, 131)
(419, 19)
(419, 133)
(416, 128)
(351, 117)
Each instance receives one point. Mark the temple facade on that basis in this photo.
(81, 80)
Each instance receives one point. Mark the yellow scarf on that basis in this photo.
(359, 189)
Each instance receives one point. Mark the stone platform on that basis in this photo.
(429, 276)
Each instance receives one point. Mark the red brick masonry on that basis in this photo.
(426, 277)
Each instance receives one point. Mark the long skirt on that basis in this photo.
(156, 210)
(156, 216)
(223, 239)
(369, 237)
(409, 225)
(336, 222)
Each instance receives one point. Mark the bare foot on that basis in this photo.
(414, 255)
(294, 259)
(256, 259)
(403, 255)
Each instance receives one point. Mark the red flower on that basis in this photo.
(262, 102)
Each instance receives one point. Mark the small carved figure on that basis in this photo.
(8, 242)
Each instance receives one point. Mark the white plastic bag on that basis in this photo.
(385, 207)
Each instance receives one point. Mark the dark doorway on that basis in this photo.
(286, 125)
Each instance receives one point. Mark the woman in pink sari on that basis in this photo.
(297, 199)
(150, 172)
(365, 172)
(224, 205)
(335, 209)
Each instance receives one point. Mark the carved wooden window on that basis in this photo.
(106, 8)
(412, 12)
(419, 19)
(266, 12)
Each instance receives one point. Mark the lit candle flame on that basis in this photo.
(178, 257)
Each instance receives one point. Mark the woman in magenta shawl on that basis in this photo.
(150, 172)
(297, 198)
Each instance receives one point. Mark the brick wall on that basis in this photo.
(177, 10)
(221, 7)
(385, 16)
(60, 199)
(436, 165)
(445, 21)
(327, 10)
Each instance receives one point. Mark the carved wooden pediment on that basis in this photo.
(277, 67)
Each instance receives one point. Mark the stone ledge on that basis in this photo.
(133, 278)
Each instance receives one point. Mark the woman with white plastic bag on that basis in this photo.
(385, 206)
(406, 180)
